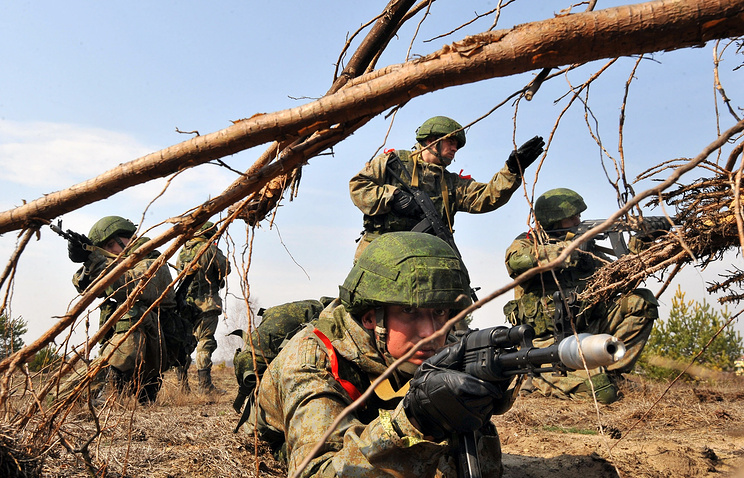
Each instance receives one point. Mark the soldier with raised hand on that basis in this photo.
(206, 276)
(382, 189)
(629, 317)
(138, 360)
(401, 290)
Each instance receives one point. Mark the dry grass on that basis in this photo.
(694, 430)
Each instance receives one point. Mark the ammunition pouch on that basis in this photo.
(532, 310)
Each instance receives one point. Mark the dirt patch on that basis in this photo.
(690, 432)
(693, 431)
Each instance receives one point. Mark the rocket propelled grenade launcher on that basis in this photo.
(499, 353)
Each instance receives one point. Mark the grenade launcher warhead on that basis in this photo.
(499, 353)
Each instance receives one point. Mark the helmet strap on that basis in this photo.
(120, 242)
(380, 330)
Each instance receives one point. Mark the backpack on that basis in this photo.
(278, 325)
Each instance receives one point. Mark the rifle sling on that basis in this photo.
(431, 221)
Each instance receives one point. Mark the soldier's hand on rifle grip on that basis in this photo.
(404, 204)
(76, 250)
(442, 401)
(520, 159)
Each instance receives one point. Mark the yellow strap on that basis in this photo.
(445, 200)
(414, 175)
(385, 390)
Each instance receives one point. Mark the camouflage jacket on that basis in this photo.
(373, 187)
(211, 270)
(533, 299)
(298, 400)
(119, 290)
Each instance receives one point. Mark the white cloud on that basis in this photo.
(55, 155)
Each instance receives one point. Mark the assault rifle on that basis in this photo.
(432, 221)
(650, 227)
(69, 235)
(77, 242)
(497, 354)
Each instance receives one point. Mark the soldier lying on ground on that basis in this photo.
(402, 289)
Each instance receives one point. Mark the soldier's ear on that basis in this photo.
(368, 320)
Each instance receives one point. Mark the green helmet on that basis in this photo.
(406, 268)
(207, 230)
(110, 226)
(556, 205)
(440, 126)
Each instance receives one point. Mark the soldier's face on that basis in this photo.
(447, 147)
(570, 222)
(407, 326)
(113, 245)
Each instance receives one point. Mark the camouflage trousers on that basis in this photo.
(629, 318)
(134, 365)
(137, 359)
(206, 344)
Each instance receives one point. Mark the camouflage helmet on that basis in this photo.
(558, 204)
(440, 126)
(207, 230)
(406, 268)
(106, 228)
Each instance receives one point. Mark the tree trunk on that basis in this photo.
(625, 30)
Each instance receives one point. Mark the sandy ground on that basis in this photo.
(693, 431)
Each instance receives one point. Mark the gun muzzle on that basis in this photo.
(598, 350)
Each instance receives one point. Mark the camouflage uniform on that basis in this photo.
(139, 359)
(298, 400)
(278, 325)
(373, 187)
(203, 295)
(629, 317)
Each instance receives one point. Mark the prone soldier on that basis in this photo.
(402, 289)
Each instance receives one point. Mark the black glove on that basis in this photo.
(442, 400)
(239, 401)
(75, 250)
(520, 159)
(404, 204)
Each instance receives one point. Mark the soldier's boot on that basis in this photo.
(182, 375)
(604, 389)
(205, 383)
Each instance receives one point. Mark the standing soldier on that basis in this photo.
(383, 189)
(629, 317)
(203, 282)
(138, 360)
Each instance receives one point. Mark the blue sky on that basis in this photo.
(87, 85)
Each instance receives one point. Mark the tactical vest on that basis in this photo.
(431, 184)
